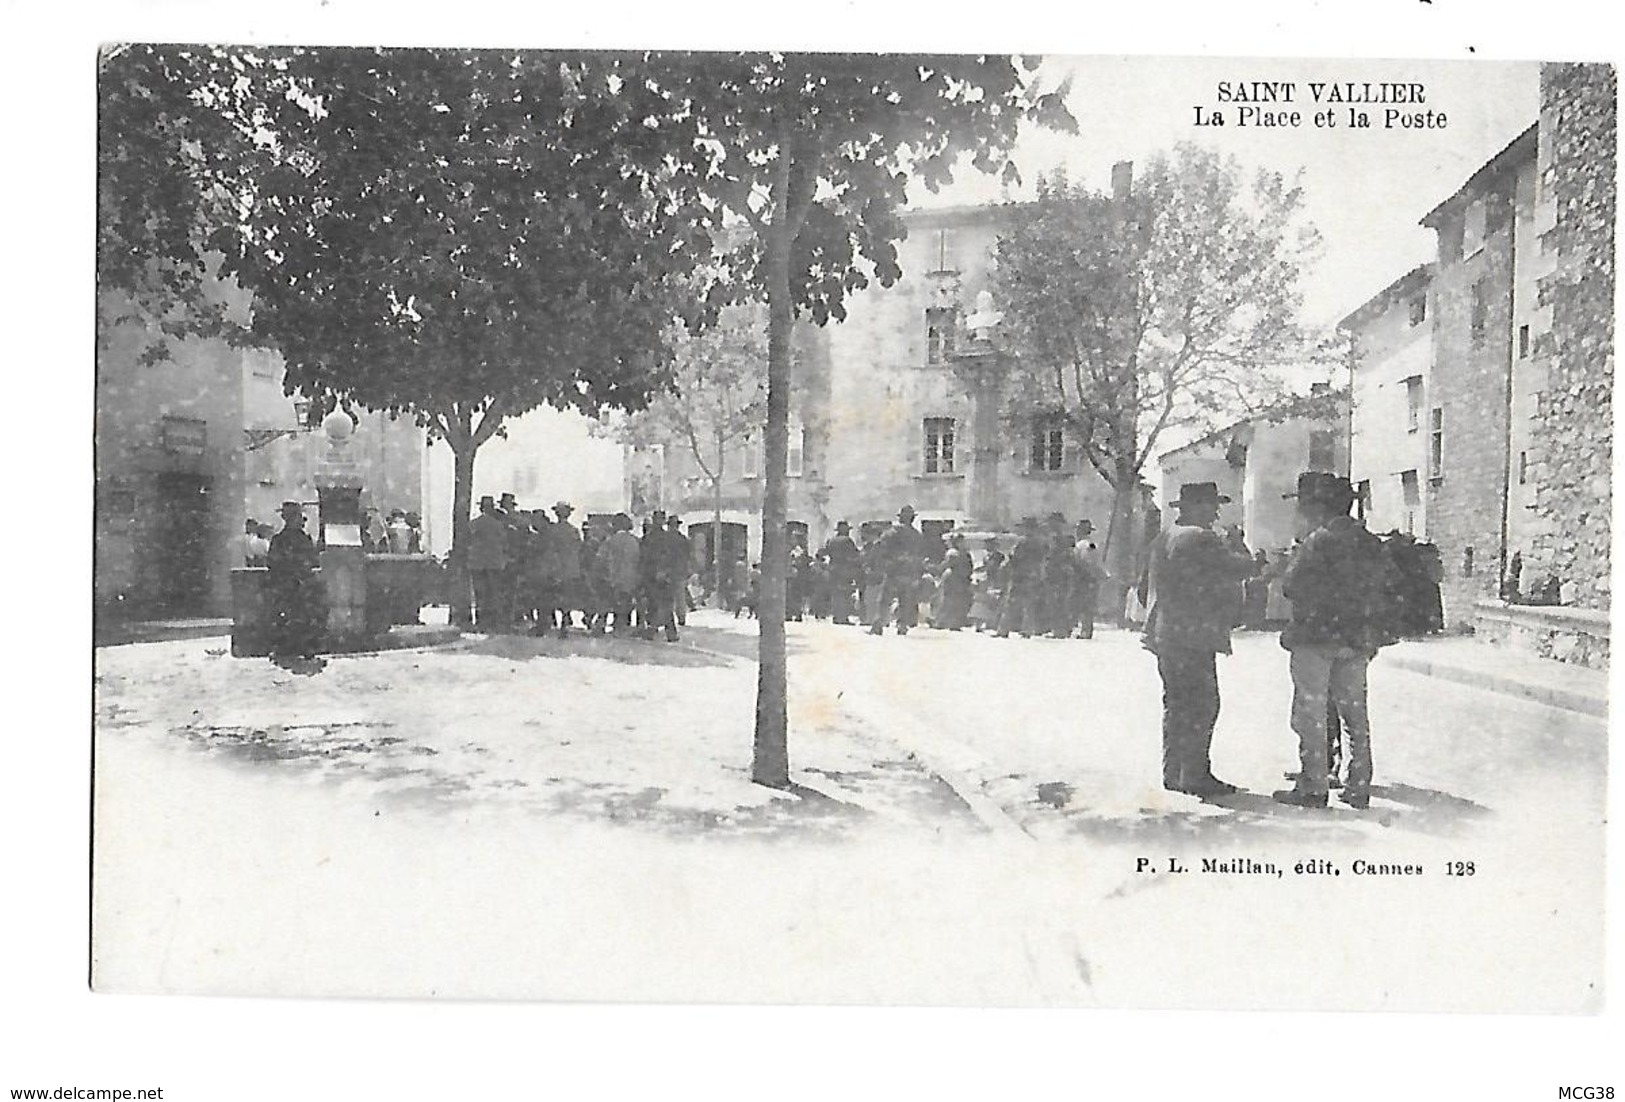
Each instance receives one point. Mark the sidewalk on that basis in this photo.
(1503, 670)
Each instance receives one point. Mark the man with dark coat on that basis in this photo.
(1189, 590)
(844, 570)
(562, 571)
(901, 556)
(1023, 581)
(1060, 564)
(681, 553)
(517, 539)
(297, 605)
(487, 559)
(1342, 585)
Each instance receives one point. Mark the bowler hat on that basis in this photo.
(842, 526)
(1199, 493)
(1328, 489)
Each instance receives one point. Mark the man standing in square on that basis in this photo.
(1340, 584)
(1189, 590)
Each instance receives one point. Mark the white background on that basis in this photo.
(53, 1032)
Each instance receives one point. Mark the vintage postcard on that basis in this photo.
(885, 529)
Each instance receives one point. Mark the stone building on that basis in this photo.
(188, 449)
(1571, 435)
(1484, 321)
(1501, 434)
(1391, 364)
(899, 403)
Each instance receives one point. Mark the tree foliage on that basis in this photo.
(717, 394)
(1176, 307)
(456, 235)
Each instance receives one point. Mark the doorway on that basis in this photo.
(181, 531)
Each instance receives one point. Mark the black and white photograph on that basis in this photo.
(622, 524)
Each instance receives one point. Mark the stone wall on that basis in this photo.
(1575, 635)
(1468, 384)
(1574, 423)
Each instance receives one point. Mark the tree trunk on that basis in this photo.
(716, 532)
(462, 503)
(770, 764)
(1118, 549)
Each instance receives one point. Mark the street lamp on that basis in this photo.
(260, 438)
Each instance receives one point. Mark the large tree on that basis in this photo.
(811, 157)
(718, 399)
(458, 236)
(1166, 309)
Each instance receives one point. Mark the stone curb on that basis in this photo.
(994, 818)
(1552, 696)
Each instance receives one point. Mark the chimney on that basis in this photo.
(1122, 179)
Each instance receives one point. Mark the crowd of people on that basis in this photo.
(1049, 583)
(536, 573)
(1350, 592)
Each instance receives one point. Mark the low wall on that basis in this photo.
(396, 588)
(1576, 635)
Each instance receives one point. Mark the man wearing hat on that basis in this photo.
(902, 556)
(1340, 584)
(296, 594)
(1089, 574)
(487, 559)
(516, 526)
(1060, 566)
(561, 570)
(1189, 590)
(844, 569)
(681, 555)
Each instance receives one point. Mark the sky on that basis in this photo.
(1364, 190)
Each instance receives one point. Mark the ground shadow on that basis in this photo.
(1054, 806)
(624, 649)
(737, 645)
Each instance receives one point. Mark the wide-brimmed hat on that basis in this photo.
(842, 526)
(292, 509)
(1199, 493)
(1327, 489)
(563, 507)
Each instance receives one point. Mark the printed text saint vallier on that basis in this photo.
(1329, 105)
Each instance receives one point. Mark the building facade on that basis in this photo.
(1390, 423)
(189, 448)
(900, 403)
(1483, 381)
